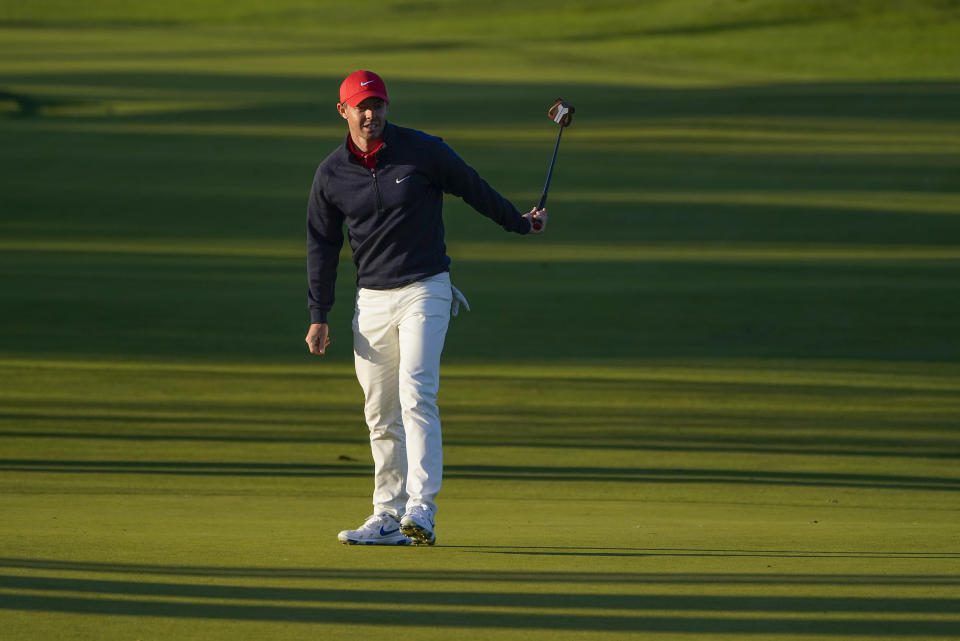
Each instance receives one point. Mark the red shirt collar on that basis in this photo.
(367, 159)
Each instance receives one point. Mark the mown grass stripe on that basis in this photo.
(495, 252)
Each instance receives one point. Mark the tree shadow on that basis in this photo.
(527, 473)
(698, 552)
(597, 608)
(508, 576)
(295, 98)
(194, 185)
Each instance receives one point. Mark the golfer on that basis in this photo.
(387, 184)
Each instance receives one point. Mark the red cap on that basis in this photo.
(361, 85)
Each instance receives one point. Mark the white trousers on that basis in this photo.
(398, 336)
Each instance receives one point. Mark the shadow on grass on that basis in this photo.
(143, 185)
(497, 576)
(498, 473)
(598, 609)
(633, 439)
(791, 309)
(298, 99)
(694, 552)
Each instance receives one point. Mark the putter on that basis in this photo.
(561, 112)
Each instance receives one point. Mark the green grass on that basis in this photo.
(788, 500)
(718, 399)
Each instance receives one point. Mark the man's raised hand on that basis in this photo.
(538, 220)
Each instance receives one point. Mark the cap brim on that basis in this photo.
(360, 96)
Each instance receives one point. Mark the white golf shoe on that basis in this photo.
(417, 524)
(378, 529)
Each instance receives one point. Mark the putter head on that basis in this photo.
(561, 112)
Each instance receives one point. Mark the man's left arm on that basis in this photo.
(460, 179)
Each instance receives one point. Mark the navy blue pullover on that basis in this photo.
(393, 213)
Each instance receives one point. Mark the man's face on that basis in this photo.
(366, 120)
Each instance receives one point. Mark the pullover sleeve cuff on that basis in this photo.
(318, 316)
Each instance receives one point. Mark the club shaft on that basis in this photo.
(546, 186)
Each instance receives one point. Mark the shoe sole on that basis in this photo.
(358, 542)
(419, 535)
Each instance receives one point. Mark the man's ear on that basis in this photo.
(342, 110)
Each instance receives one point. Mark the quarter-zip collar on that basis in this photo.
(351, 153)
(367, 158)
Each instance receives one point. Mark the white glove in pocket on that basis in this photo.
(458, 299)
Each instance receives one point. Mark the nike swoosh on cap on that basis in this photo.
(364, 84)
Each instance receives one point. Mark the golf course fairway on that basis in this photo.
(717, 399)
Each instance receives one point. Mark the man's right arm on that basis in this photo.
(324, 241)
